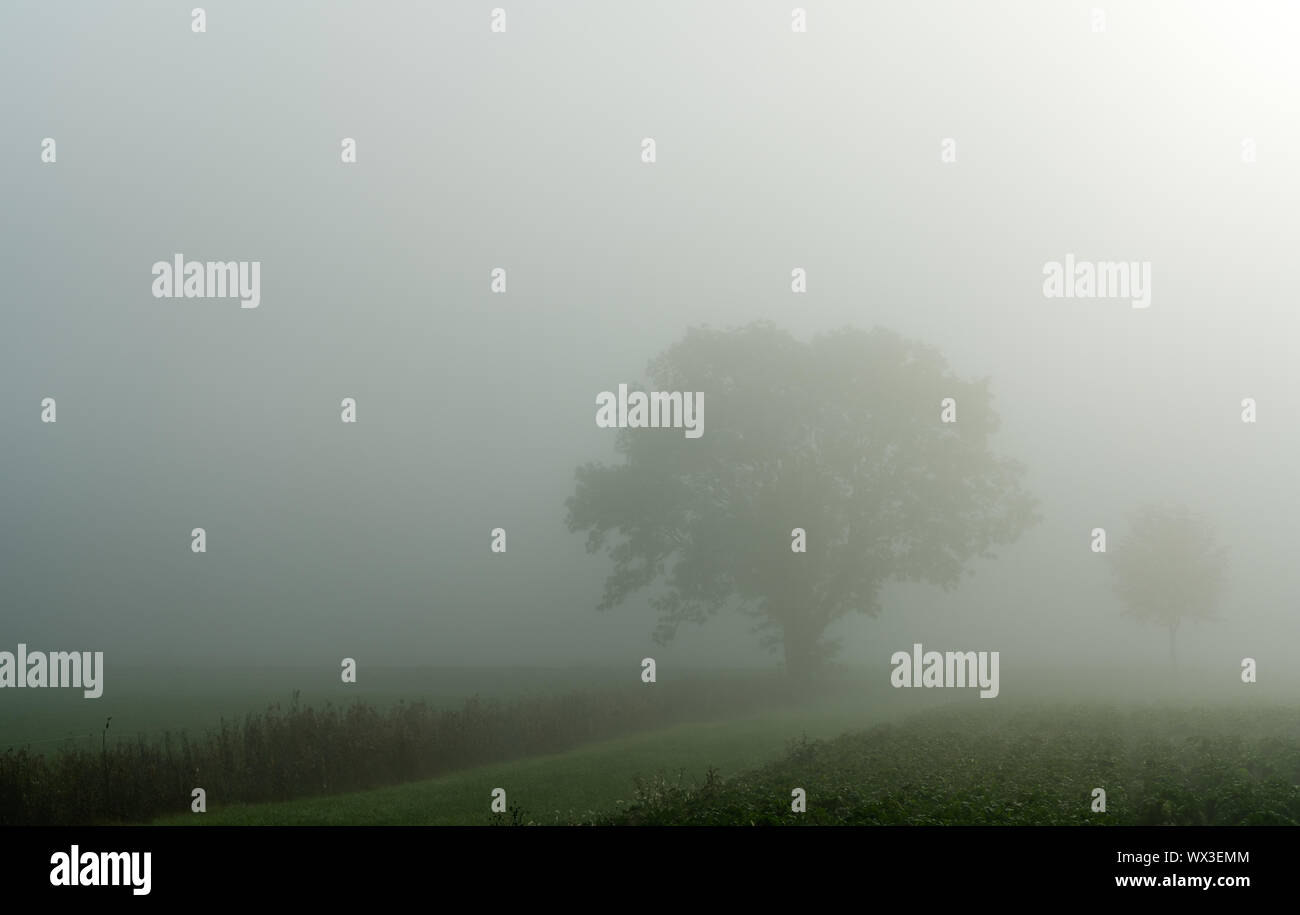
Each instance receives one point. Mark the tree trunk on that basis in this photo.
(801, 656)
(1173, 655)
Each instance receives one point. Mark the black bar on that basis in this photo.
(333, 864)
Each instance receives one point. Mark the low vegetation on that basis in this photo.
(301, 751)
(980, 766)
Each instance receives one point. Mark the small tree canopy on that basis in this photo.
(1170, 569)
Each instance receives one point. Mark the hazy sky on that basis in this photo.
(522, 150)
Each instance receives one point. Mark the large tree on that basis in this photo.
(1170, 570)
(840, 436)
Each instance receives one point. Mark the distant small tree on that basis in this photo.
(1170, 570)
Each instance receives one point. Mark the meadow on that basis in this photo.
(573, 786)
(151, 701)
(954, 765)
(293, 749)
(587, 747)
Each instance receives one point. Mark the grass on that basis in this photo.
(1169, 746)
(293, 751)
(560, 787)
(972, 764)
(152, 701)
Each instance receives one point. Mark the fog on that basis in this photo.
(522, 150)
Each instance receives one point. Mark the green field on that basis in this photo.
(971, 765)
(150, 701)
(1168, 747)
(561, 787)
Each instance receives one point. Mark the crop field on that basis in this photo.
(1157, 766)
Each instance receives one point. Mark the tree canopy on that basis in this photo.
(840, 436)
